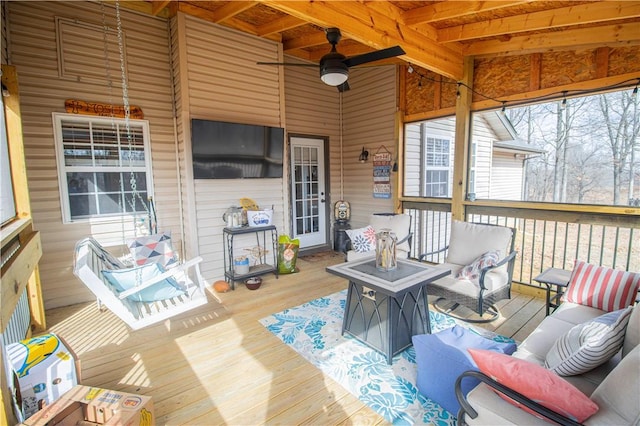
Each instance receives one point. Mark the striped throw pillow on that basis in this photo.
(587, 345)
(601, 287)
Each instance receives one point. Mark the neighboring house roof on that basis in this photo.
(516, 146)
(507, 135)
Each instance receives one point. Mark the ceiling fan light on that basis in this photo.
(334, 76)
(332, 70)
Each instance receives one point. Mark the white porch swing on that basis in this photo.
(160, 287)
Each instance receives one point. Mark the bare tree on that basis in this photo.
(621, 131)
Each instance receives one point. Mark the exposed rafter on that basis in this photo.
(449, 10)
(434, 35)
(583, 38)
(544, 20)
(375, 30)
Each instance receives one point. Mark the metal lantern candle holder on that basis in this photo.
(386, 250)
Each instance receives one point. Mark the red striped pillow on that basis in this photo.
(601, 287)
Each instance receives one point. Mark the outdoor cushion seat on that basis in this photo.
(481, 258)
(614, 385)
(399, 224)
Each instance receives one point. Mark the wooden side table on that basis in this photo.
(554, 277)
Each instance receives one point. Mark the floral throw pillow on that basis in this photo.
(472, 271)
(362, 239)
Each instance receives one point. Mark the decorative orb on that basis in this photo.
(221, 286)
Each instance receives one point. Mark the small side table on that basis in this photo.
(554, 277)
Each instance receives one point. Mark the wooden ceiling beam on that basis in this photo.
(377, 31)
(316, 39)
(229, 21)
(450, 10)
(231, 9)
(573, 39)
(543, 20)
(158, 6)
(285, 23)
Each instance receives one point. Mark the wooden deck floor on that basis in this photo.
(219, 365)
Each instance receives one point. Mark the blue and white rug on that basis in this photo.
(314, 331)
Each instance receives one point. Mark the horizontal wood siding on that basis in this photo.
(225, 84)
(313, 109)
(369, 122)
(34, 52)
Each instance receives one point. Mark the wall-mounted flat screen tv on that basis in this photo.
(223, 150)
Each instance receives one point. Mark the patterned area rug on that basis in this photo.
(314, 331)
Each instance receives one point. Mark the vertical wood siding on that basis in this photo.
(369, 121)
(33, 38)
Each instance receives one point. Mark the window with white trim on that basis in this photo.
(438, 156)
(104, 166)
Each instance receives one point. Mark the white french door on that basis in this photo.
(308, 191)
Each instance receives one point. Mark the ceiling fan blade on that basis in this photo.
(377, 55)
(289, 64)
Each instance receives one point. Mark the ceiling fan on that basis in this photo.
(334, 66)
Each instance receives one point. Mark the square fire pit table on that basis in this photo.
(384, 309)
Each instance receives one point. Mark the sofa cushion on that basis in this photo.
(472, 271)
(468, 241)
(587, 345)
(632, 335)
(399, 224)
(601, 287)
(536, 383)
(617, 395)
(362, 239)
(441, 357)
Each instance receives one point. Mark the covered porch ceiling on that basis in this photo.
(435, 35)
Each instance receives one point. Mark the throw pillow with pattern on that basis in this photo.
(362, 239)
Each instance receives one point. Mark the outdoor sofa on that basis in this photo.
(613, 386)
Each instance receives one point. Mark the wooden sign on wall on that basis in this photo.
(74, 106)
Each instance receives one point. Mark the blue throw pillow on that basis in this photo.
(125, 279)
(443, 356)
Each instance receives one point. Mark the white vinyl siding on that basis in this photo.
(507, 175)
(369, 111)
(429, 151)
(34, 52)
(217, 78)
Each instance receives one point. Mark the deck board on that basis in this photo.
(218, 365)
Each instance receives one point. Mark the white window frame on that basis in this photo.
(63, 168)
(433, 168)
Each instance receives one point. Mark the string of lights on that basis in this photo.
(564, 94)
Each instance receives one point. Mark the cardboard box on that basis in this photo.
(43, 368)
(96, 406)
